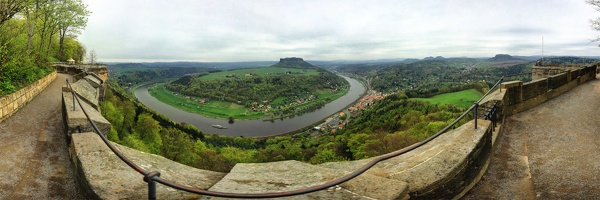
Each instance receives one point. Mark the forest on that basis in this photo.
(430, 77)
(34, 33)
(390, 124)
(130, 74)
(258, 88)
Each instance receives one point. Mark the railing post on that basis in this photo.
(475, 113)
(149, 178)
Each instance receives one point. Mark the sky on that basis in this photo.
(237, 30)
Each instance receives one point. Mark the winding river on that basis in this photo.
(251, 128)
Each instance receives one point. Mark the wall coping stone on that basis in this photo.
(95, 81)
(510, 84)
(76, 119)
(107, 177)
(292, 175)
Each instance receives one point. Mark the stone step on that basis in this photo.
(293, 175)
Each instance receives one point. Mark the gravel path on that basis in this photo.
(34, 159)
(549, 152)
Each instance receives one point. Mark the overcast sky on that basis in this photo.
(223, 30)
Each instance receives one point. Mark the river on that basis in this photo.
(251, 128)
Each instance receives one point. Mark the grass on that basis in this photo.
(216, 109)
(463, 98)
(260, 71)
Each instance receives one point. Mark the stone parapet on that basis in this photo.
(523, 96)
(440, 169)
(103, 175)
(75, 120)
(11, 103)
(293, 175)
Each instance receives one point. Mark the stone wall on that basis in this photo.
(11, 103)
(523, 96)
(540, 72)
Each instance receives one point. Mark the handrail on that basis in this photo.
(152, 177)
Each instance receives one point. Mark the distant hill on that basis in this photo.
(505, 60)
(502, 57)
(432, 58)
(294, 62)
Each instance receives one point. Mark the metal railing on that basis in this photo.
(152, 177)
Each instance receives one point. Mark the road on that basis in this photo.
(34, 159)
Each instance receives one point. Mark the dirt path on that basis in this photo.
(34, 159)
(549, 152)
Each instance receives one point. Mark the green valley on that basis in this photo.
(216, 109)
(463, 98)
(282, 90)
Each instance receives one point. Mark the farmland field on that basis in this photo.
(462, 98)
(216, 109)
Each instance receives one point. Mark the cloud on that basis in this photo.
(227, 30)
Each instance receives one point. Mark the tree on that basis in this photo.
(177, 145)
(8, 9)
(72, 18)
(148, 130)
(93, 57)
(595, 23)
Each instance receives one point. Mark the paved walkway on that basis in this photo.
(549, 152)
(34, 159)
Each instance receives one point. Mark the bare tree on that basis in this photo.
(93, 57)
(595, 23)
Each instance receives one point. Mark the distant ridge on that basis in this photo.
(432, 58)
(502, 57)
(294, 62)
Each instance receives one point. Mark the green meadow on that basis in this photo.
(462, 98)
(216, 109)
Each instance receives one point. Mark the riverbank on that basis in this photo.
(253, 128)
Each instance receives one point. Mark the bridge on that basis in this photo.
(548, 151)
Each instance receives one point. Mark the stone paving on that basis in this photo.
(34, 159)
(551, 151)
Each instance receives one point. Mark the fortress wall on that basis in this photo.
(521, 97)
(11, 103)
(558, 80)
(534, 88)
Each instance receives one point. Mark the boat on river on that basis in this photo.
(218, 126)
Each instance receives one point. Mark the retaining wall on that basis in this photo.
(11, 103)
